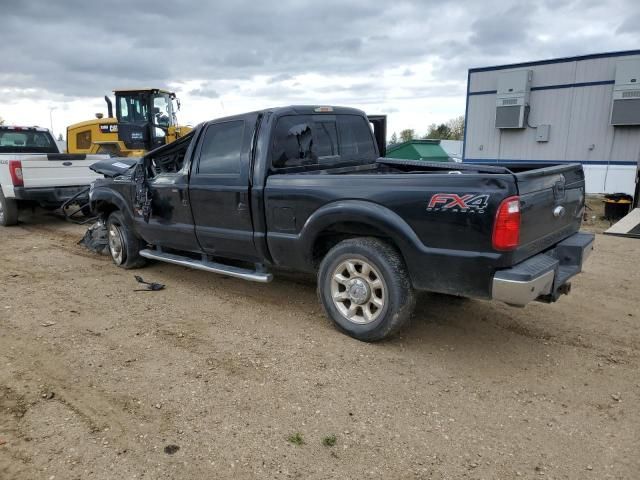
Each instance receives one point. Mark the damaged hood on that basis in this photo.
(114, 166)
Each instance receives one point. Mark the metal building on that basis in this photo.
(580, 109)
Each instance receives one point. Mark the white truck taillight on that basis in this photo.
(506, 229)
(15, 170)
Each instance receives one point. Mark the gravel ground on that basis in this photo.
(217, 378)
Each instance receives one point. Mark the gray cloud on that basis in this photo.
(499, 32)
(630, 25)
(283, 77)
(204, 91)
(85, 49)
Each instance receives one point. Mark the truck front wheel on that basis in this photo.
(8, 211)
(124, 246)
(365, 289)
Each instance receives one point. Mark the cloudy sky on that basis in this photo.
(407, 59)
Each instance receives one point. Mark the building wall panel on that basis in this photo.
(574, 97)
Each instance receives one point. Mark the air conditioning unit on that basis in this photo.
(512, 99)
(625, 109)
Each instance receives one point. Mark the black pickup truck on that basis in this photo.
(308, 189)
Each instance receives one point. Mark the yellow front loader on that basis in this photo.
(144, 119)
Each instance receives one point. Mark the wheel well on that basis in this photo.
(104, 208)
(336, 233)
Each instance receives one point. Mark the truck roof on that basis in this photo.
(23, 127)
(143, 89)
(315, 109)
(298, 110)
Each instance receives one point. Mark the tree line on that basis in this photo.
(451, 130)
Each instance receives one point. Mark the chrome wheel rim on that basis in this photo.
(1, 213)
(116, 245)
(358, 291)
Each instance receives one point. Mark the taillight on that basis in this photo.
(15, 170)
(506, 229)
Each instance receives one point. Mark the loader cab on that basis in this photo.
(144, 117)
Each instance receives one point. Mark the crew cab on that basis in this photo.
(308, 189)
(34, 171)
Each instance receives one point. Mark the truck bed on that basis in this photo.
(445, 238)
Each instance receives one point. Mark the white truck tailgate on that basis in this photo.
(40, 171)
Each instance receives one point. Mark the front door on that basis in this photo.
(170, 223)
(219, 190)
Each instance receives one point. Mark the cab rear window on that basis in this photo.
(26, 141)
(322, 140)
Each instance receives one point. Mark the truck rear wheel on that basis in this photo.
(364, 288)
(124, 246)
(8, 211)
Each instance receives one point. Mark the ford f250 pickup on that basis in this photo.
(308, 189)
(33, 171)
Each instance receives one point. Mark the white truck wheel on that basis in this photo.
(8, 211)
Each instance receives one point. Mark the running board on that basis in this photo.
(243, 273)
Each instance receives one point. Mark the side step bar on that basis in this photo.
(243, 273)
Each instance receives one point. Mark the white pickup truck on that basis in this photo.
(33, 171)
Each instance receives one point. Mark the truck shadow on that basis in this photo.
(446, 336)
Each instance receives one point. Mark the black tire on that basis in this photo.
(393, 291)
(8, 211)
(128, 255)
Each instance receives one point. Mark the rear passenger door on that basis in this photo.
(219, 189)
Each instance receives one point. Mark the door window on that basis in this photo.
(221, 149)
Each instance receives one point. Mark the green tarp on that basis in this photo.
(429, 150)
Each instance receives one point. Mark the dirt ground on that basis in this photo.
(594, 220)
(214, 377)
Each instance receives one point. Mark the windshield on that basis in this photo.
(26, 141)
(133, 108)
(322, 140)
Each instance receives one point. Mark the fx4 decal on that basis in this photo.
(450, 202)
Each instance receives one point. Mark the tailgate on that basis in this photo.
(551, 203)
(59, 170)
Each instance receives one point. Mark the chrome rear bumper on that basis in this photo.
(544, 277)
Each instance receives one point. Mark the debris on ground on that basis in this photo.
(150, 286)
(171, 449)
(96, 239)
(48, 324)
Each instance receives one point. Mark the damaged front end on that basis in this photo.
(142, 195)
(117, 170)
(127, 170)
(78, 208)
